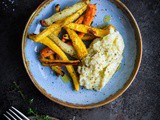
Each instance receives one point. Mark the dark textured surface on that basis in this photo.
(140, 101)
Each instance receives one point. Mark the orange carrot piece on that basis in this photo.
(89, 16)
(46, 52)
(80, 20)
(81, 34)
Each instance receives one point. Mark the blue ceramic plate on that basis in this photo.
(58, 91)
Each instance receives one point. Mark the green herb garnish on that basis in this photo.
(31, 111)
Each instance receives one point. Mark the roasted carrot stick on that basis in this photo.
(80, 20)
(49, 62)
(89, 16)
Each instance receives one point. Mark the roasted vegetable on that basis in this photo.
(87, 37)
(49, 62)
(110, 27)
(46, 52)
(44, 33)
(78, 44)
(89, 16)
(57, 31)
(75, 16)
(80, 20)
(89, 30)
(64, 13)
(58, 70)
(46, 41)
(58, 9)
(65, 47)
(57, 26)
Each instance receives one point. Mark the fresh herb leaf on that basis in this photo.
(30, 110)
(19, 90)
(46, 117)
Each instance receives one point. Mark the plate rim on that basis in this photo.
(111, 98)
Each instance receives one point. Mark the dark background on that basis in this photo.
(140, 101)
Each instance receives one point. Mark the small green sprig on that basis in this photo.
(31, 110)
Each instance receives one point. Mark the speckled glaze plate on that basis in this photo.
(53, 87)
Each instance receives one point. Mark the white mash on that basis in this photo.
(103, 59)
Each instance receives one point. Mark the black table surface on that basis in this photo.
(140, 101)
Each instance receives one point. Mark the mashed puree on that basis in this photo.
(103, 59)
